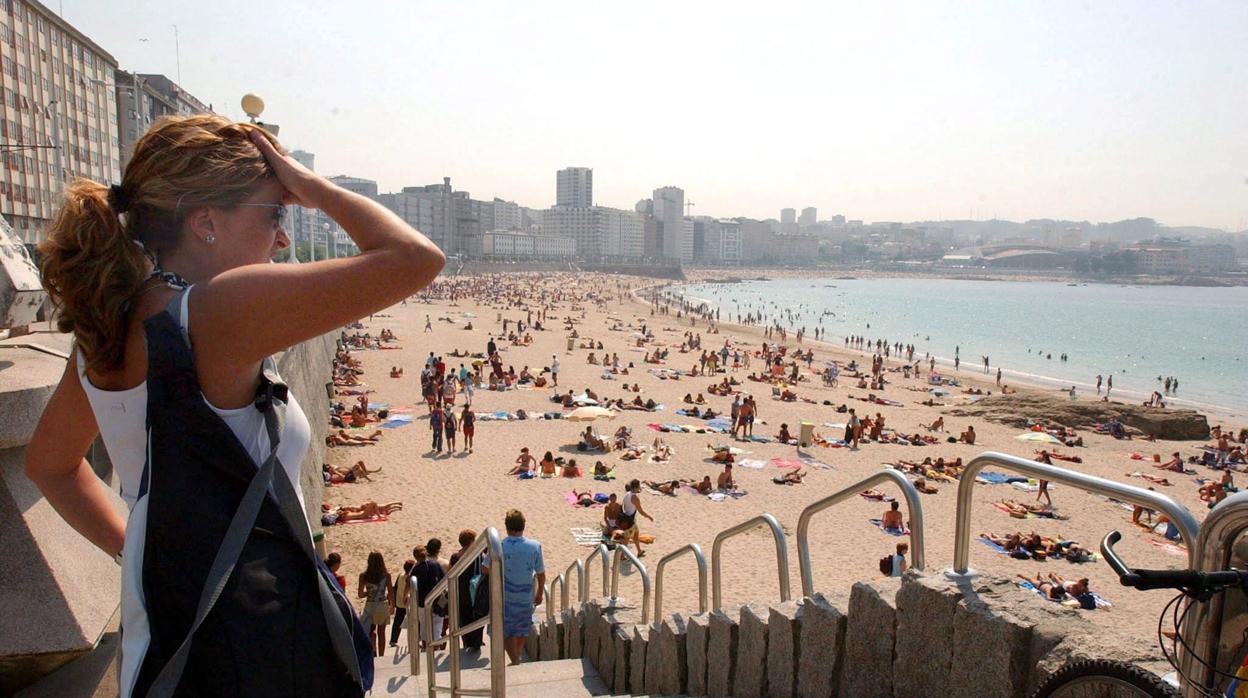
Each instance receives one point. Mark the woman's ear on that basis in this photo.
(202, 224)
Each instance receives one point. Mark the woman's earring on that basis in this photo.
(210, 238)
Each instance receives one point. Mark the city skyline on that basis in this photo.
(1101, 113)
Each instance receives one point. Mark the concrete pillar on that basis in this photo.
(721, 654)
(783, 649)
(622, 646)
(667, 658)
(924, 647)
(870, 635)
(822, 644)
(550, 642)
(697, 631)
(637, 661)
(572, 623)
(751, 666)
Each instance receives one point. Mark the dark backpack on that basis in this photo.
(886, 565)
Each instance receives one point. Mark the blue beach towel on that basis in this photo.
(993, 478)
(879, 523)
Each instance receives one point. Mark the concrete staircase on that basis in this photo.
(570, 678)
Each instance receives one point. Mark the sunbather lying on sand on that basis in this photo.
(791, 478)
(336, 473)
(342, 438)
(365, 511)
(667, 487)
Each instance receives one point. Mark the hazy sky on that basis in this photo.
(881, 111)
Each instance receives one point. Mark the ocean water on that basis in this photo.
(1135, 333)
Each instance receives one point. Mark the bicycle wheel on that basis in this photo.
(1104, 678)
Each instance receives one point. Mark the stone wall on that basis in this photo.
(918, 636)
(61, 591)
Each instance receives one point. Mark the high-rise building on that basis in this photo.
(599, 231)
(507, 215)
(58, 114)
(141, 100)
(721, 240)
(451, 219)
(359, 185)
(669, 213)
(809, 216)
(574, 187)
(788, 215)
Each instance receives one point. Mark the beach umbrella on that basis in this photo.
(1039, 437)
(589, 414)
(938, 392)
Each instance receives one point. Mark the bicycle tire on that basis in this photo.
(1104, 678)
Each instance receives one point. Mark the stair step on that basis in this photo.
(556, 679)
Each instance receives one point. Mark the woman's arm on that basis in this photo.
(234, 311)
(640, 510)
(55, 464)
(362, 591)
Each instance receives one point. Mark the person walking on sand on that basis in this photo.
(468, 424)
(436, 423)
(554, 370)
(428, 324)
(449, 427)
(1098, 384)
(630, 507)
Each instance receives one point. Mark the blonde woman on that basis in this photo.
(208, 440)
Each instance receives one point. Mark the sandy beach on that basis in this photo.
(443, 494)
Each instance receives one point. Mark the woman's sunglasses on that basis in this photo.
(279, 211)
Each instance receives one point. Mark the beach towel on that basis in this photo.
(993, 478)
(1028, 485)
(813, 463)
(589, 537)
(1168, 547)
(879, 523)
(750, 463)
(719, 496)
(760, 439)
(787, 463)
(608, 477)
(394, 423)
(571, 499)
(992, 545)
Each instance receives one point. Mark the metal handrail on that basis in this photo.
(918, 558)
(450, 584)
(550, 597)
(622, 551)
(601, 550)
(696, 551)
(782, 554)
(1179, 515)
(580, 581)
(1203, 624)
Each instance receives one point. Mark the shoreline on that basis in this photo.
(1023, 380)
(735, 274)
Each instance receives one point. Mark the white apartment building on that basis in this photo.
(521, 245)
(574, 187)
(58, 115)
(721, 241)
(144, 98)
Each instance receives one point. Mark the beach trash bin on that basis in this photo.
(806, 436)
(571, 343)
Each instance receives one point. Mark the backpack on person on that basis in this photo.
(886, 565)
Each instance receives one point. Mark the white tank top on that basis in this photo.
(628, 505)
(122, 418)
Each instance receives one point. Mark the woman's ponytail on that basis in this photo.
(92, 270)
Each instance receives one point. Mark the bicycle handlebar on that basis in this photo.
(1191, 582)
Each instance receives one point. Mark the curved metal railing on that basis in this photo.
(917, 551)
(604, 553)
(1224, 525)
(622, 551)
(550, 597)
(450, 584)
(1182, 518)
(782, 555)
(696, 551)
(580, 581)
